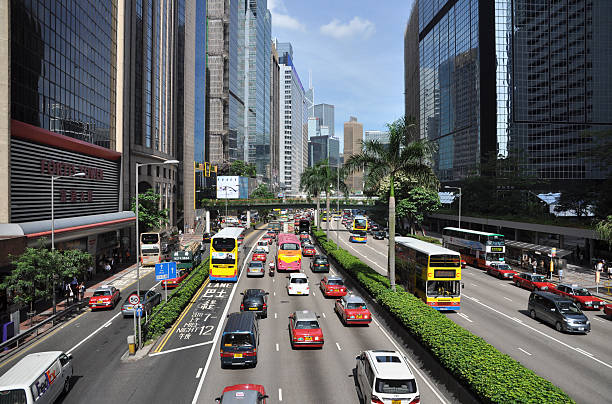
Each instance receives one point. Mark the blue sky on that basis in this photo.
(355, 51)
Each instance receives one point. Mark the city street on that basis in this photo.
(496, 310)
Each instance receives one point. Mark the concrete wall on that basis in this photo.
(5, 110)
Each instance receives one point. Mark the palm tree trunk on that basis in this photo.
(318, 213)
(391, 253)
(328, 217)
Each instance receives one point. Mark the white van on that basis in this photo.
(385, 377)
(39, 377)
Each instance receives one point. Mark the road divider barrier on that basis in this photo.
(492, 376)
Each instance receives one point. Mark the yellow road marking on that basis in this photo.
(183, 314)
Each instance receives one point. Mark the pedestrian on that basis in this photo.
(90, 272)
(107, 268)
(82, 291)
(74, 288)
(534, 265)
(609, 271)
(560, 274)
(67, 292)
(600, 266)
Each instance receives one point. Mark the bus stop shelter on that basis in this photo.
(523, 254)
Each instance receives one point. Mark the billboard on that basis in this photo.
(228, 187)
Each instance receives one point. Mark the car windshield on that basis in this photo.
(582, 292)
(305, 325)
(321, 261)
(538, 278)
(299, 280)
(394, 386)
(354, 306)
(335, 282)
(256, 264)
(504, 267)
(262, 243)
(568, 308)
(102, 293)
(290, 246)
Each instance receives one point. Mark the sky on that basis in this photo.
(354, 50)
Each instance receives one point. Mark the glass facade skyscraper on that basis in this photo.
(325, 113)
(525, 79)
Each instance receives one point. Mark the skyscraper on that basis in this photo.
(294, 114)
(325, 113)
(524, 79)
(380, 136)
(274, 120)
(353, 139)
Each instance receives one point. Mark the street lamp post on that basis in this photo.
(53, 178)
(458, 188)
(138, 165)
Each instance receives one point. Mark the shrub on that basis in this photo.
(493, 376)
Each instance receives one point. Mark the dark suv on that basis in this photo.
(255, 301)
(558, 311)
(319, 264)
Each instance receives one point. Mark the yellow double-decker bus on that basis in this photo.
(430, 272)
(224, 255)
(360, 223)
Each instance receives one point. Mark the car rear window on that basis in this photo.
(15, 396)
(305, 325)
(299, 280)
(102, 293)
(388, 359)
(394, 386)
(335, 282)
(257, 264)
(237, 340)
(356, 306)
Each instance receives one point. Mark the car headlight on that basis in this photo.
(544, 288)
(588, 303)
(352, 317)
(588, 322)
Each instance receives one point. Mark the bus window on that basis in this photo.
(443, 288)
(290, 246)
(223, 244)
(149, 238)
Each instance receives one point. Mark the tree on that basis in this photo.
(309, 183)
(262, 192)
(150, 216)
(240, 168)
(577, 200)
(402, 155)
(419, 202)
(604, 229)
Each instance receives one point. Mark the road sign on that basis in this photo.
(134, 299)
(138, 309)
(165, 270)
(553, 252)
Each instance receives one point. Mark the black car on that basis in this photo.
(319, 264)
(255, 301)
(206, 237)
(379, 235)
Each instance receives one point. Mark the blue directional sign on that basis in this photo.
(139, 311)
(165, 270)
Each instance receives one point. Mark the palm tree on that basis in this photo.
(310, 183)
(329, 179)
(404, 154)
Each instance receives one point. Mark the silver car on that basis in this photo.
(256, 268)
(148, 299)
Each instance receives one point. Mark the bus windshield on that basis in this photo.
(443, 288)
(223, 244)
(442, 260)
(149, 238)
(360, 224)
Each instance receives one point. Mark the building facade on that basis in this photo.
(378, 135)
(325, 113)
(293, 153)
(274, 120)
(353, 140)
(520, 79)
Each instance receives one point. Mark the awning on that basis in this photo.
(542, 249)
(72, 227)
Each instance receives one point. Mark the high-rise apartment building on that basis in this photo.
(325, 113)
(294, 121)
(353, 140)
(274, 120)
(524, 79)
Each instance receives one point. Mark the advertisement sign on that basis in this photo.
(228, 187)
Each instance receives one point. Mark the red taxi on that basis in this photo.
(105, 297)
(304, 236)
(174, 282)
(243, 393)
(308, 250)
(532, 281)
(268, 239)
(580, 295)
(240, 240)
(501, 270)
(352, 310)
(333, 286)
(463, 263)
(304, 330)
(259, 255)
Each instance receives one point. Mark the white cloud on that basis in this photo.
(281, 17)
(356, 27)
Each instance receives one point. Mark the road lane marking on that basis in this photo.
(199, 373)
(582, 351)
(599, 319)
(473, 284)
(274, 294)
(542, 333)
(181, 348)
(92, 334)
(414, 367)
(275, 315)
(313, 293)
(465, 317)
(507, 298)
(323, 315)
(517, 320)
(280, 394)
(108, 323)
(219, 329)
(273, 280)
(522, 350)
(277, 347)
(338, 345)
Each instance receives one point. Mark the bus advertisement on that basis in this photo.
(477, 248)
(224, 255)
(430, 272)
(289, 253)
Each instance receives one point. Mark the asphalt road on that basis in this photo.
(496, 310)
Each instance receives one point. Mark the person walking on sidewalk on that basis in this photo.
(74, 289)
(600, 266)
(560, 274)
(82, 291)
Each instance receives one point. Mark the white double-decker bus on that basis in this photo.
(477, 248)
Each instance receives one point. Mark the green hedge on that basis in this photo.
(165, 314)
(493, 376)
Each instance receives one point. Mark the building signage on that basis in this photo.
(228, 187)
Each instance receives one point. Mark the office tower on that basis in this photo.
(274, 120)
(353, 139)
(294, 115)
(325, 113)
(380, 136)
(314, 127)
(523, 79)
(257, 71)
(60, 105)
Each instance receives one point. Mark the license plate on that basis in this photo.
(308, 338)
(100, 301)
(237, 355)
(396, 401)
(252, 308)
(580, 328)
(359, 316)
(299, 293)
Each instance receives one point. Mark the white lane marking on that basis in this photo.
(93, 333)
(181, 348)
(199, 373)
(280, 394)
(507, 298)
(277, 347)
(473, 284)
(542, 333)
(323, 315)
(313, 293)
(414, 367)
(465, 317)
(338, 345)
(522, 350)
(517, 320)
(582, 351)
(219, 329)
(275, 315)
(108, 323)
(274, 293)
(599, 319)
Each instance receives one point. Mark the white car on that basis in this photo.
(298, 284)
(385, 377)
(263, 245)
